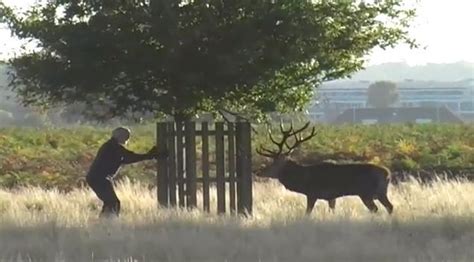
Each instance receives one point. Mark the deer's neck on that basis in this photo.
(292, 176)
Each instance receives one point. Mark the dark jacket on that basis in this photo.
(110, 157)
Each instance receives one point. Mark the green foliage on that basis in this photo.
(61, 157)
(400, 147)
(382, 94)
(180, 58)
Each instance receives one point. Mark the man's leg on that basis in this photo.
(104, 190)
(111, 201)
(97, 186)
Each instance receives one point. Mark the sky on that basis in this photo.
(443, 29)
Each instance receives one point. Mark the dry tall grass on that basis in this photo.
(430, 223)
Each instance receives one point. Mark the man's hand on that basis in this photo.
(152, 150)
(154, 153)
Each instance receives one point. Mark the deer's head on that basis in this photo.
(281, 156)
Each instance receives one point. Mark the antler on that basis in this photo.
(299, 139)
(285, 135)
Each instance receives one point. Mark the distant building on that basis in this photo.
(334, 98)
(398, 115)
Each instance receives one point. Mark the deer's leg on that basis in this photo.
(386, 203)
(310, 201)
(332, 204)
(369, 203)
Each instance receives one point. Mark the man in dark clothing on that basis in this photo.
(111, 155)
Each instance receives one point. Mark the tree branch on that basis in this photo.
(237, 116)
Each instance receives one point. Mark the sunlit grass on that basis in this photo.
(430, 223)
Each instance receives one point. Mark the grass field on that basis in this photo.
(431, 223)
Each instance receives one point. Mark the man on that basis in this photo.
(111, 155)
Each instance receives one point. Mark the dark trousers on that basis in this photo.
(104, 190)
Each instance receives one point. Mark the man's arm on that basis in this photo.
(130, 157)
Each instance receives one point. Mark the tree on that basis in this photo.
(382, 94)
(184, 57)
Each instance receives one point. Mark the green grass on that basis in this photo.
(60, 157)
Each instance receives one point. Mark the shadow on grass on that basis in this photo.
(447, 239)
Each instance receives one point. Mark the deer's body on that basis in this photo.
(329, 181)
(326, 181)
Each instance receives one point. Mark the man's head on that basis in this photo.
(121, 134)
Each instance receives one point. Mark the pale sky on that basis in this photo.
(443, 27)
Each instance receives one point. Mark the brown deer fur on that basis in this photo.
(327, 181)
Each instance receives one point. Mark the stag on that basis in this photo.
(326, 181)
